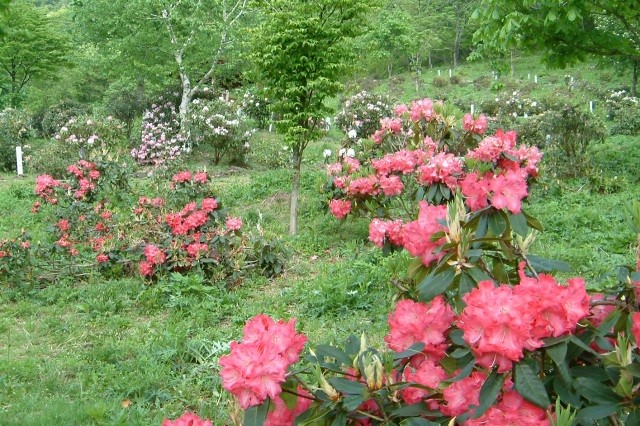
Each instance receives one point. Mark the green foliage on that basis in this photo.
(361, 114)
(218, 126)
(572, 131)
(30, 48)
(15, 130)
(566, 32)
(49, 120)
(300, 51)
(256, 108)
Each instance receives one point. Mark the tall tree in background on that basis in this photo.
(148, 37)
(301, 50)
(30, 48)
(565, 31)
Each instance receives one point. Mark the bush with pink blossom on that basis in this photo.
(161, 139)
(482, 333)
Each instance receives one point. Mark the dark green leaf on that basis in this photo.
(532, 221)
(347, 386)
(489, 392)
(412, 350)
(417, 422)
(465, 372)
(351, 402)
(413, 410)
(595, 391)
(256, 415)
(518, 224)
(547, 265)
(596, 412)
(433, 285)
(497, 223)
(565, 393)
(331, 352)
(529, 385)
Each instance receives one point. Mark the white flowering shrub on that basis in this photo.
(160, 139)
(93, 137)
(361, 114)
(516, 105)
(15, 128)
(220, 127)
(256, 108)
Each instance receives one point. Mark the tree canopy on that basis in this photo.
(565, 31)
(30, 48)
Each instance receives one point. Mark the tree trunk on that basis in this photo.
(634, 80)
(513, 64)
(295, 191)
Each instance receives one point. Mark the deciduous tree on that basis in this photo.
(301, 49)
(565, 31)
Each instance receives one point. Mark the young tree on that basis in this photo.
(566, 31)
(30, 48)
(300, 51)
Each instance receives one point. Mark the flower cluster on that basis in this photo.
(414, 322)
(361, 114)
(499, 323)
(187, 419)
(183, 231)
(161, 139)
(493, 174)
(219, 125)
(257, 366)
(256, 108)
(93, 136)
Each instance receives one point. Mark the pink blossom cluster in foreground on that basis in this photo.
(257, 366)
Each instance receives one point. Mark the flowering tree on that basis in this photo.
(482, 335)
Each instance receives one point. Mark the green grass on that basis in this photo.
(118, 352)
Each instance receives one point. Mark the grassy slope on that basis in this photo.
(79, 352)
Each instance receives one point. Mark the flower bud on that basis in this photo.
(374, 372)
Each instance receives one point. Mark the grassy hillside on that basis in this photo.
(119, 352)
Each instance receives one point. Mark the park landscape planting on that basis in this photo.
(449, 267)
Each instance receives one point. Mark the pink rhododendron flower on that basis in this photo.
(491, 148)
(363, 186)
(401, 109)
(422, 109)
(194, 249)
(282, 415)
(512, 410)
(635, 327)
(340, 208)
(460, 396)
(393, 125)
(476, 190)
(441, 168)
(201, 177)
(234, 223)
(181, 177)
(478, 126)
(102, 258)
(145, 268)
(412, 322)
(508, 191)
(427, 374)
(154, 255)
(209, 205)
(187, 419)
(416, 235)
(257, 365)
(391, 185)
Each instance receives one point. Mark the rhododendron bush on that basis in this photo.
(184, 230)
(482, 333)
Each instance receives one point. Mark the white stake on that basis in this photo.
(450, 73)
(529, 76)
(591, 106)
(19, 160)
(271, 124)
(535, 79)
(473, 109)
(328, 124)
(438, 73)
